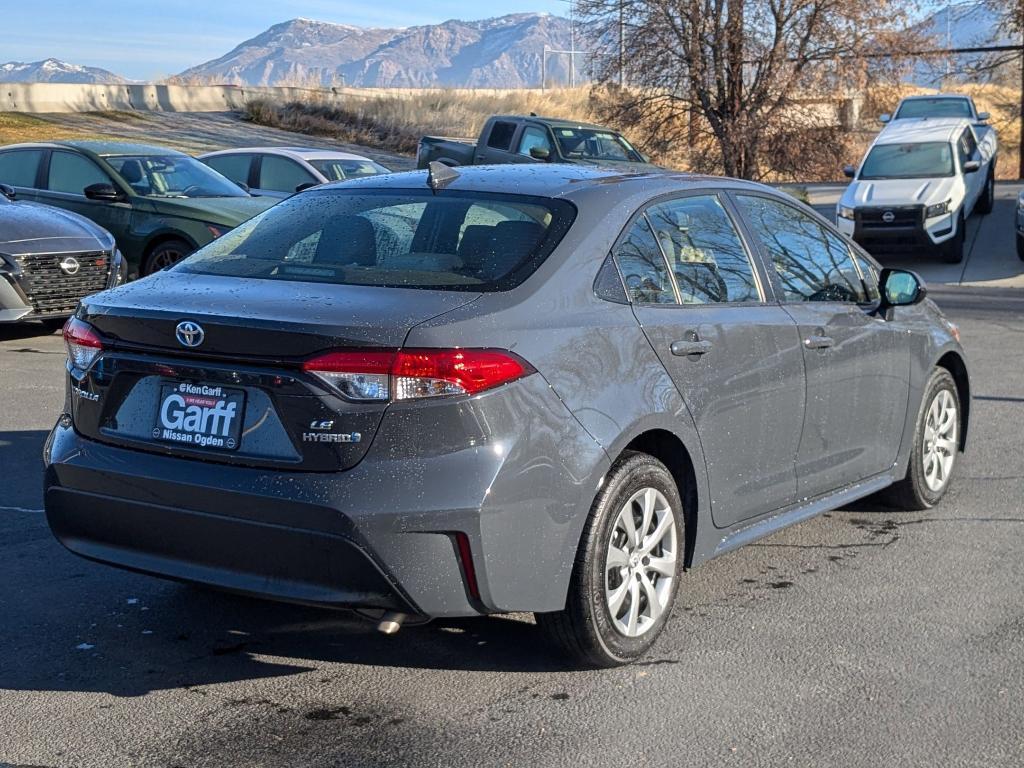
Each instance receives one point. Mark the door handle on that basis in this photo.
(686, 348)
(818, 342)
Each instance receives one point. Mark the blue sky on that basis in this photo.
(145, 39)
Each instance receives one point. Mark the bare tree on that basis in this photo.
(737, 71)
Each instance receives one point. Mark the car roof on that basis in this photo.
(306, 153)
(557, 122)
(917, 130)
(117, 148)
(548, 180)
(922, 96)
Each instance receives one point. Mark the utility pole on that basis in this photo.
(572, 44)
(622, 43)
(544, 69)
(1020, 21)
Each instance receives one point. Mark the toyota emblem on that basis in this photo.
(888, 217)
(189, 334)
(69, 265)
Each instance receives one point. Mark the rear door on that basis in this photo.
(237, 167)
(734, 356)
(498, 145)
(19, 168)
(281, 176)
(858, 365)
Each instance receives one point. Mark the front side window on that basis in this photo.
(408, 239)
(174, 176)
(934, 108)
(704, 251)
(280, 174)
(71, 173)
(233, 167)
(534, 137)
(643, 266)
(966, 146)
(595, 144)
(811, 263)
(18, 167)
(926, 160)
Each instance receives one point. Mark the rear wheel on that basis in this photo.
(988, 196)
(164, 254)
(953, 249)
(627, 569)
(935, 448)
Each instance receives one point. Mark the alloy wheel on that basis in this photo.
(940, 440)
(641, 562)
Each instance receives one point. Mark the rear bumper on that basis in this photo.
(381, 535)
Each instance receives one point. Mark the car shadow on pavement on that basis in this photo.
(21, 468)
(25, 331)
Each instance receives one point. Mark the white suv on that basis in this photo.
(916, 186)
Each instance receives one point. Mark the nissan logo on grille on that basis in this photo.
(888, 217)
(69, 265)
(189, 334)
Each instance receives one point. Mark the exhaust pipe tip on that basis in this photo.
(391, 622)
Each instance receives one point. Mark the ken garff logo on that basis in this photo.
(888, 217)
(69, 265)
(189, 334)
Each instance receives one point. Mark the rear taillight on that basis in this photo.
(408, 374)
(82, 342)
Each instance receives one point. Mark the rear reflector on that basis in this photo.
(468, 570)
(408, 374)
(82, 342)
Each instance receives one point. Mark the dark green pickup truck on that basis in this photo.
(532, 139)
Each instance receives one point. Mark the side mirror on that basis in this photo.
(884, 118)
(307, 185)
(901, 288)
(972, 166)
(849, 171)
(983, 116)
(101, 192)
(540, 153)
(8, 191)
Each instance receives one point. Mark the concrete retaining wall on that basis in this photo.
(65, 97)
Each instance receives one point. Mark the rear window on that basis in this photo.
(406, 239)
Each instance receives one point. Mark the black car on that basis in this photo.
(49, 259)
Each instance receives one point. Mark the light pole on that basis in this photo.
(572, 41)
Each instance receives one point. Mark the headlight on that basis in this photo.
(844, 212)
(118, 269)
(940, 209)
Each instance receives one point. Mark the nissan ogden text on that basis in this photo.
(428, 394)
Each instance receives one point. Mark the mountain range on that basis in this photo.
(503, 52)
(54, 71)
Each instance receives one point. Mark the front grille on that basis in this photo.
(902, 216)
(51, 290)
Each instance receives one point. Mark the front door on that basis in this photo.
(67, 176)
(734, 358)
(858, 365)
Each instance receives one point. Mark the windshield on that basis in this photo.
(406, 239)
(934, 108)
(908, 161)
(339, 170)
(595, 144)
(172, 176)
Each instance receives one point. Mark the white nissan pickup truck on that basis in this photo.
(917, 184)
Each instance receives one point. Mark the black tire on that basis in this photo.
(988, 197)
(585, 630)
(913, 493)
(953, 250)
(1020, 247)
(165, 254)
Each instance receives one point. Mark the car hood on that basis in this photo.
(228, 211)
(898, 192)
(32, 228)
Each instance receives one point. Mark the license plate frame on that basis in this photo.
(202, 418)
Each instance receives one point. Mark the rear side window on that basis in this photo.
(18, 167)
(501, 135)
(234, 167)
(704, 251)
(643, 266)
(71, 174)
(408, 239)
(283, 175)
(811, 263)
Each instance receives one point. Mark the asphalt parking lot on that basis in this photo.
(864, 637)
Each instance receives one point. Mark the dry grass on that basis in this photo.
(16, 127)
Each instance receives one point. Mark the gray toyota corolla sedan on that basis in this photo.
(519, 388)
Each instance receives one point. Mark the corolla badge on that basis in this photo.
(69, 265)
(888, 217)
(189, 334)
